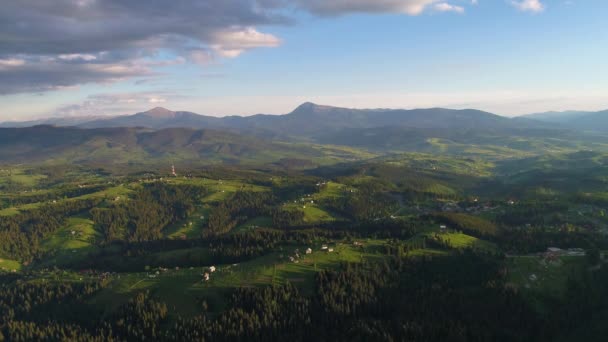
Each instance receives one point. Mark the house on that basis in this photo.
(206, 276)
(324, 247)
(212, 269)
(443, 228)
(329, 250)
(308, 251)
(292, 259)
(554, 250)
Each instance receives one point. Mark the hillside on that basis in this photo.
(140, 145)
(579, 120)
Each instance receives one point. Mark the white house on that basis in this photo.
(329, 250)
(212, 269)
(206, 276)
(308, 251)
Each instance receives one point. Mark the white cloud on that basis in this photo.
(77, 57)
(157, 100)
(232, 42)
(529, 5)
(11, 62)
(445, 7)
(340, 7)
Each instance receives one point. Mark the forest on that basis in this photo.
(386, 250)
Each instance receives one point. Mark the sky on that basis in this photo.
(243, 57)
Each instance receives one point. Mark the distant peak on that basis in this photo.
(160, 112)
(306, 106)
(309, 107)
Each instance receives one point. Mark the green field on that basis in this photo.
(72, 242)
(20, 177)
(255, 223)
(119, 192)
(7, 265)
(184, 288)
(461, 241)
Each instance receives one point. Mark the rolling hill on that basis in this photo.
(142, 145)
(579, 120)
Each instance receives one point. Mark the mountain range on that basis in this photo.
(309, 133)
(308, 119)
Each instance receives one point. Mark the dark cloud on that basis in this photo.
(91, 26)
(44, 74)
(46, 45)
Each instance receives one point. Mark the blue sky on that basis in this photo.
(268, 56)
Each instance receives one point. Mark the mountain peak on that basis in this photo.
(309, 107)
(160, 112)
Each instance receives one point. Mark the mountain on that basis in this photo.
(156, 118)
(310, 120)
(579, 120)
(50, 144)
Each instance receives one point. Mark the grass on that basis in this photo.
(313, 213)
(258, 222)
(219, 189)
(183, 289)
(192, 227)
(63, 246)
(463, 241)
(121, 191)
(7, 265)
(331, 190)
(20, 177)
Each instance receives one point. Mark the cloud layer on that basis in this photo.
(47, 45)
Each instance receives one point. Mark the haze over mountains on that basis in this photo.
(581, 120)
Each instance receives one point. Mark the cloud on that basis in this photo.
(47, 45)
(11, 63)
(233, 42)
(528, 5)
(46, 74)
(341, 7)
(445, 7)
